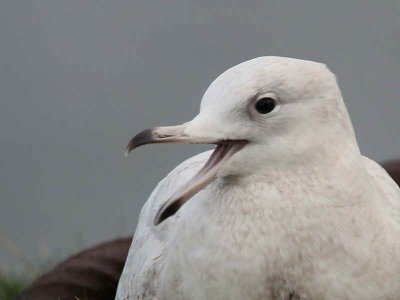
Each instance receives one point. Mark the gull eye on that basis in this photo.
(265, 105)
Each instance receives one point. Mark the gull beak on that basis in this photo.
(167, 134)
(207, 174)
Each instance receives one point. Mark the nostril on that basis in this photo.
(163, 136)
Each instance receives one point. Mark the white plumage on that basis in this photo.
(295, 213)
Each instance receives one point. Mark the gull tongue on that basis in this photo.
(204, 177)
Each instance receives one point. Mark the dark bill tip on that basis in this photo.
(167, 210)
(142, 138)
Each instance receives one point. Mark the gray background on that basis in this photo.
(78, 78)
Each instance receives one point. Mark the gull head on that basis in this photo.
(264, 112)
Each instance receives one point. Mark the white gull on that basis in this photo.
(286, 207)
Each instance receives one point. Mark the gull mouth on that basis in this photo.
(223, 151)
(207, 174)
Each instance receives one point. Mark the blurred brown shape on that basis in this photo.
(393, 168)
(92, 274)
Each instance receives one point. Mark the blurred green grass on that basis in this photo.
(11, 286)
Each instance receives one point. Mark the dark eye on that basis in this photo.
(265, 105)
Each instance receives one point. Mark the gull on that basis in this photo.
(284, 207)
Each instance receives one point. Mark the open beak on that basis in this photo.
(207, 174)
